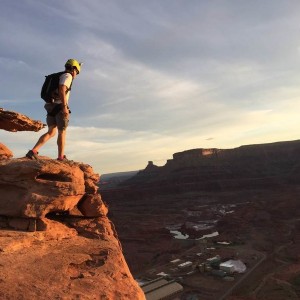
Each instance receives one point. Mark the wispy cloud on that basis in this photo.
(158, 77)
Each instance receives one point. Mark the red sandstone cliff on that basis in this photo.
(56, 241)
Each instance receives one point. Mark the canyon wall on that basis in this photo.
(247, 167)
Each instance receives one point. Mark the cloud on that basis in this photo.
(158, 77)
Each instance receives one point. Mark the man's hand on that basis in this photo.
(62, 94)
(65, 110)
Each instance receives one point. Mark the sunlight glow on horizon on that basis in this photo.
(158, 77)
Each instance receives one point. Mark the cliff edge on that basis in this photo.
(56, 241)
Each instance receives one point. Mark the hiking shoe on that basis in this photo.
(62, 159)
(31, 155)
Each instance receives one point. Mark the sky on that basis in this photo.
(158, 77)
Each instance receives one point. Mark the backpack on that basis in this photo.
(50, 86)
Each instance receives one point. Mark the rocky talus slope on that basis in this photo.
(56, 241)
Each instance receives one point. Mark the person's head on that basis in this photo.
(73, 66)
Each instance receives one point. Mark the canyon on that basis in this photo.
(240, 202)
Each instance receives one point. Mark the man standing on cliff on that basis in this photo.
(58, 111)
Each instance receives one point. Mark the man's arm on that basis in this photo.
(62, 95)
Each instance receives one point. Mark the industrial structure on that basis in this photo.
(161, 289)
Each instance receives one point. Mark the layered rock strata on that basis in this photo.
(249, 166)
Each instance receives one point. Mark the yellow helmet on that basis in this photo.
(73, 63)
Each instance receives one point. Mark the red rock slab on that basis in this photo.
(58, 264)
(13, 121)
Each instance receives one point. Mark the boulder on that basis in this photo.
(90, 179)
(5, 153)
(34, 188)
(92, 206)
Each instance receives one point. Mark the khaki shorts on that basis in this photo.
(59, 120)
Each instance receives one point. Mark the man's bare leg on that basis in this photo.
(61, 140)
(44, 138)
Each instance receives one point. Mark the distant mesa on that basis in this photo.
(111, 180)
(219, 169)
